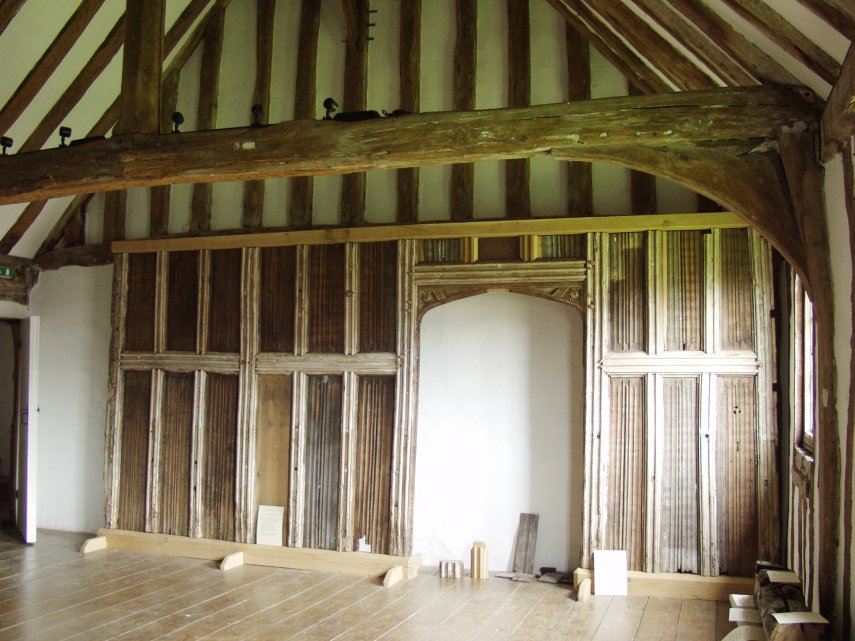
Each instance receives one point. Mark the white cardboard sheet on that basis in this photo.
(610, 575)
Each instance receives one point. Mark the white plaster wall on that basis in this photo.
(841, 277)
(74, 306)
(500, 429)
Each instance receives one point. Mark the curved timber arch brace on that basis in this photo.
(710, 140)
(746, 178)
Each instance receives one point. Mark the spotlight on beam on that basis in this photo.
(257, 113)
(177, 121)
(5, 143)
(64, 134)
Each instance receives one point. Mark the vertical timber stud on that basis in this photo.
(805, 182)
(347, 469)
(465, 62)
(139, 101)
(580, 194)
(410, 67)
(768, 503)
(355, 97)
(247, 408)
(517, 197)
(406, 386)
(300, 194)
(253, 191)
(209, 85)
(113, 438)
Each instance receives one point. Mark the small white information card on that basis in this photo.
(610, 575)
(268, 530)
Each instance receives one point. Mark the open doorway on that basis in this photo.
(500, 429)
(10, 331)
(19, 341)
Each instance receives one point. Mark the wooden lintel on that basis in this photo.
(303, 148)
(477, 229)
(838, 119)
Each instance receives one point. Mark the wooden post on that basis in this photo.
(580, 198)
(300, 201)
(517, 198)
(465, 62)
(410, 67)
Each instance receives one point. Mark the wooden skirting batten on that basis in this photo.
(358, 563)
(677, 585)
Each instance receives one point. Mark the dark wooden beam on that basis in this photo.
(580, 187)
(82, 256)
(8, 10)
(206, 117)
(806, 187)
(840, 14)
(410, 70)
(160, 197)
(697, 42)
(302, 148)
(610, 46)
(25, 219)
(45, 66)
(349, 16)
(78, 87)
(115, 215)
(355, 99)
(300, 196)
(517, 196)
(142, 63)
(24, 276)
(465, 68)
(838, 119)
(253, 191)
(786, 36)
(747, 54)
(139, 99)
(662, 56)
(78, 203)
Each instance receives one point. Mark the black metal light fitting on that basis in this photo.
(5, 143)
(177, 121)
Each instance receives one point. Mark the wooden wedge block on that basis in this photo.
(94, 544)
(233, 560)
(394, 575)
(584, 591)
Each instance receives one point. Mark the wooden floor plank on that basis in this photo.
(50, 592)
(583, 619)
(722, 625)
(659, 620)
(622, 618)
(697, 621)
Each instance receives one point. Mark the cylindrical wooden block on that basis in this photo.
(479, 566)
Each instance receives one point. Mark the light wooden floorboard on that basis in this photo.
(50, 592)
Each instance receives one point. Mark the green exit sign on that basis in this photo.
(7, 272)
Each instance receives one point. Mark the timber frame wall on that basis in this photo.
(681, 439)
(305, 394)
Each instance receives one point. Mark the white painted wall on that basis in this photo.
(500, 429)
(74, 306)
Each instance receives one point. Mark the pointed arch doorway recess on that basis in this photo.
(500, 428)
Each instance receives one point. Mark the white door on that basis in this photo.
(27, 429)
